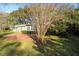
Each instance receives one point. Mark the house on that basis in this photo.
(18, 28)
(24, 25)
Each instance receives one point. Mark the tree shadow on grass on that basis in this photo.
(9, 48)
(2, 35)
(65, 46)
(72, 41)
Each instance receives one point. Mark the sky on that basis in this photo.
(9, 7)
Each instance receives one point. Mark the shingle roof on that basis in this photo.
(22, 25)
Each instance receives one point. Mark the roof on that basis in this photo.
(22, 25)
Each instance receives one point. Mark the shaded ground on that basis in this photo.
(60, 46)
(23, 44)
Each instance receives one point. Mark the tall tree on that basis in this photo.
(3, 20)
(43, 15)
(18, 15)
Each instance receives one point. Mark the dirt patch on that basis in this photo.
(18, 36)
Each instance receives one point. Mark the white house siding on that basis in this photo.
(18, 29)
(22, 27)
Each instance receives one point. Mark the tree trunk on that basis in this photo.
(42, 40)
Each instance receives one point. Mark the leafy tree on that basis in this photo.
(19, 15)
(3, 20)
(44, 14)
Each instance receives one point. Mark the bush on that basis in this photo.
(59, 27)
(73, 28)
(28, 32)
(64, 28)
(24, 31)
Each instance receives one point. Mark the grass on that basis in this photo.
(5, 32)
(56, 46)
(20, 48)
(28, 32)
(64, 45)
(8, 47)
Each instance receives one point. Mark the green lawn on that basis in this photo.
(56, 46)
(5, 32)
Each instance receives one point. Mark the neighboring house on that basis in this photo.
(18, 28)
(25, 25)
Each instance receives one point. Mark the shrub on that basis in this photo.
(64, 28)
(73, 28)
(24, 31)
(59, 27)
(28, 32)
